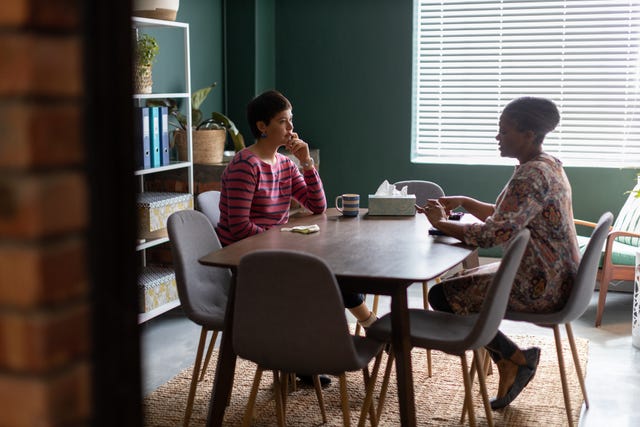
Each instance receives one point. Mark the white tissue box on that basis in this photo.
(392, 205)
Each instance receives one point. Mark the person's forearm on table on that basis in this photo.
(450, 228)
(480, 210)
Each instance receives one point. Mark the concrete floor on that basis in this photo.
(169, 344)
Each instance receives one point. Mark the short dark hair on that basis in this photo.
(264, 107)
(539, 115)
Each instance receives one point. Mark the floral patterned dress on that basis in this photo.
(537, 197)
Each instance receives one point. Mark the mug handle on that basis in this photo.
(339, 208)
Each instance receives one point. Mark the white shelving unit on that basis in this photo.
(139, 24)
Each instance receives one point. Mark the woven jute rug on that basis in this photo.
(438, 399)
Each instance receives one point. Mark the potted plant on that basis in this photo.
(209, 134)
(146, 51)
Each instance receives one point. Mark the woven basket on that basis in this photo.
(208, 145)
(142, 79)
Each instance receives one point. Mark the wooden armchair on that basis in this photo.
(619, 254)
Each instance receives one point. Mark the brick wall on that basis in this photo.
(44, 296)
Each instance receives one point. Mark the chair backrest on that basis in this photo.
(203, 290)
(208, 202)
(582, 290)
(423, 190)
(289, 314)
(495, 303)
(628, 218)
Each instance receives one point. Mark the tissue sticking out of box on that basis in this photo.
(388, 200)
(386, 189)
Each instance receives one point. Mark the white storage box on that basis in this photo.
(156, 287)
(154, 209)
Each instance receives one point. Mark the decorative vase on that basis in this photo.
(208, 145)
(142, 81)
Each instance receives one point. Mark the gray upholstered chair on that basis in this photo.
(202, 290)
(455, 334)
(289, 317)
(424, 190)
(208, 202)
(577, 303)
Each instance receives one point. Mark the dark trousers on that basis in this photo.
(352, 300)
(500, 347)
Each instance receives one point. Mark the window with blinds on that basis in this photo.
(472, 57)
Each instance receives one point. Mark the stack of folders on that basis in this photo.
(152, 137)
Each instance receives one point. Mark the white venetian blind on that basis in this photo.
(472, 57)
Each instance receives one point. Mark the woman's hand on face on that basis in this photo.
(298, 147)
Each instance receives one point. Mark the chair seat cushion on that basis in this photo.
(622, 254)
(430, 329)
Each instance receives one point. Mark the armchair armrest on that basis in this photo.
(585, 223)
(618, 233)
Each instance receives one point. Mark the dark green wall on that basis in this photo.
(346, 67)
(206, 52)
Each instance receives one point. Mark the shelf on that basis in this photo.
(151, 243)
(174, 165)
(160, 95)
(184, 170)
(149, 22)
(143, 317)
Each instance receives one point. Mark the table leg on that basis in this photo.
(226, 366)
(472, 261)
(402, 350)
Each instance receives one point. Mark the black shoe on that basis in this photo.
(308, 380)
(532, 356)
(524, 375)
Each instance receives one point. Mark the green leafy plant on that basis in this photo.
(146, 50)
(198, 122)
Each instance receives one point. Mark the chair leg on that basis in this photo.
(576, 363)
(425, 305)
(212, 343)
(479, 356)
(385, 385)
(194, 376)
(605, 278)
(248, 413)
(284, 389)
(277, 393)
(467, 390)
(370, 383)
(344, 399)
(318, 388)
(292, 380)
(488, 367)
(479, 361)
(472, 374)
(563, 376)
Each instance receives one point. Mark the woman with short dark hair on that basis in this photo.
(258, 184)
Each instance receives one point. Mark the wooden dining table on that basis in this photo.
(368, 254)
